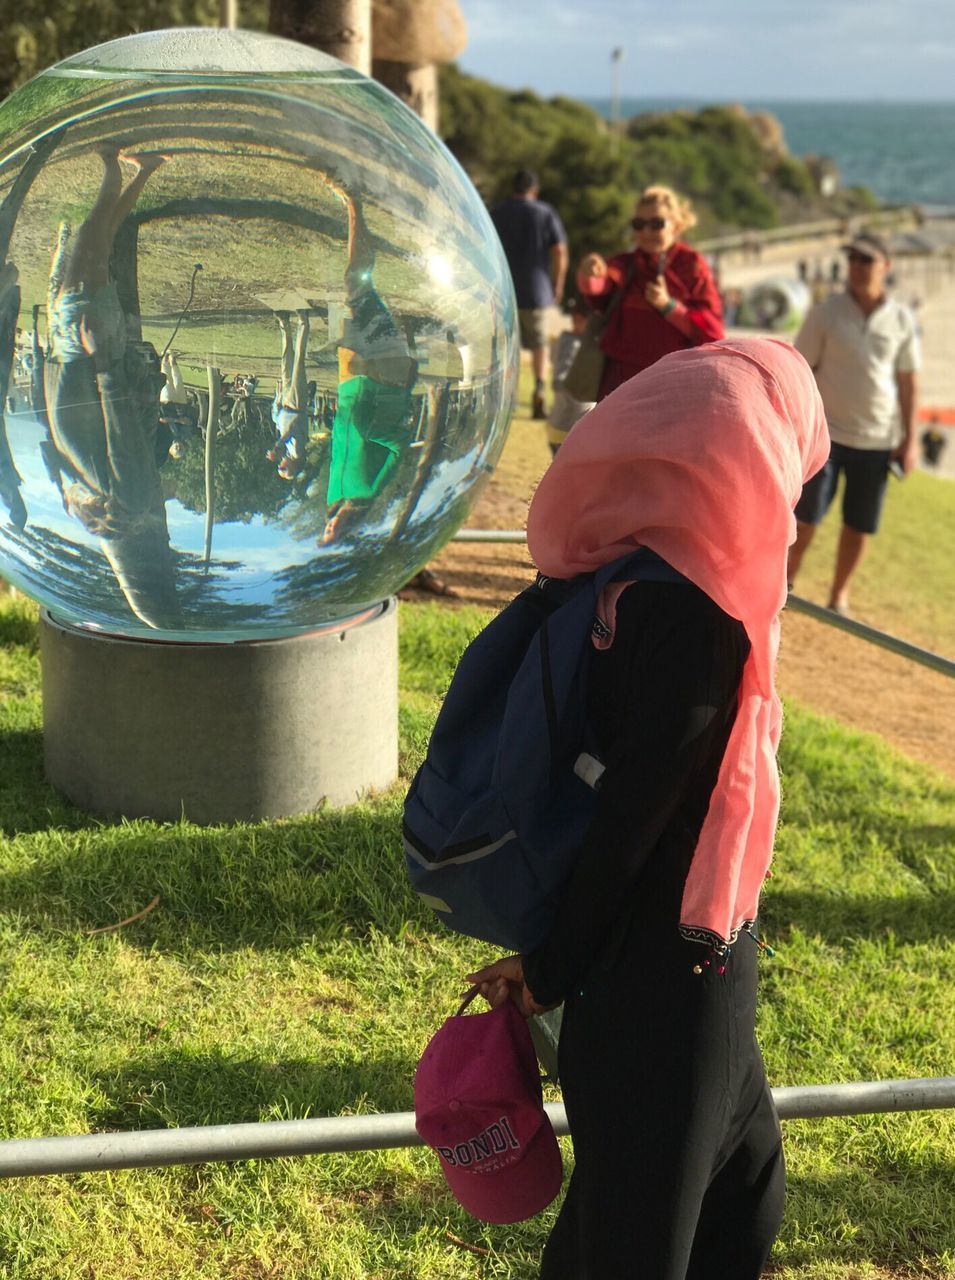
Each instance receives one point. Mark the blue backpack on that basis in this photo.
(498, 811)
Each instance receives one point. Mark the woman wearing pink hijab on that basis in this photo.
(699, 461)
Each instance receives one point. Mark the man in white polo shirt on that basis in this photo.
(863, 349)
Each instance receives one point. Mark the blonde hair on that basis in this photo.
(679, 208)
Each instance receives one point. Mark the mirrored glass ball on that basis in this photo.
(257, 339)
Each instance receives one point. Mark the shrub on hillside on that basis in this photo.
(733, 165)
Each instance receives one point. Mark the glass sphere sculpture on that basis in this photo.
(257, 339)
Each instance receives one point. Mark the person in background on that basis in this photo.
(535, 245)
(174, 392)
(732, 301)
(290, 404)
(694, 466)
(244, 409)
(863, 348)
(670, 300)
(933, 443)
(102, 396)
(565, 411)
(178, 411)
(373, 424)
(819, 288)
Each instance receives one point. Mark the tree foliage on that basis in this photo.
(733, 166)
(717, 158)
(34, 34)
(585, 173)
(247, 483)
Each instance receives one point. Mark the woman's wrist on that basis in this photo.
(669, 307)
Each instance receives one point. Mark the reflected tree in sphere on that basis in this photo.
(257, 338)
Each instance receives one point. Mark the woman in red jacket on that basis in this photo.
(670, 300)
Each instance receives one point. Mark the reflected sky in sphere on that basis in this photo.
(257, 339)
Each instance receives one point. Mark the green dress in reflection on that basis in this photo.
(371, 428)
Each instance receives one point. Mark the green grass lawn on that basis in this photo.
(904, 584)
(288, 971)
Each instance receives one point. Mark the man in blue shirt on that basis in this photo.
(535, 244)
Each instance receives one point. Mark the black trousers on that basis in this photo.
(679, 1170)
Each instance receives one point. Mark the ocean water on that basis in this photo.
(903, 151)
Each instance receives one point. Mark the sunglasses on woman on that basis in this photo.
(860, 257)
(649, 224)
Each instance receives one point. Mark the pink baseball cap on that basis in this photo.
(478, 1103)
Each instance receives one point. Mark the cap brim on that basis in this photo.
(869, 250)
(514, 1193)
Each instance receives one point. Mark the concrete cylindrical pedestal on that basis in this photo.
(220, 732)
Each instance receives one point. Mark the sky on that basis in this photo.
(717, 50)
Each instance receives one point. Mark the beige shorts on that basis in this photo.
(536, 324)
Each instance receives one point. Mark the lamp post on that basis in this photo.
(616, 57)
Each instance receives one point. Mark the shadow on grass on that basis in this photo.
(27, 801)
(322, 876)
(18, 627)
(897, 1206)
(172, 1090)
(325, 876)
(898, 1210)
(837, 917)
(166, 1091)
(928, 851)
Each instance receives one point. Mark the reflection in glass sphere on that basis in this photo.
(256, 338)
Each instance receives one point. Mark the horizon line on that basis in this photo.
(716, 98)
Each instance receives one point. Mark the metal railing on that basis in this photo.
(490, 535)
(885, 640)
(797, 231)
(30, 1157)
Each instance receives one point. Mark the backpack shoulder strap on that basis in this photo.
(625, 568)
(545, 704)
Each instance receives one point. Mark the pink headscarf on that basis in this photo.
(702, 458)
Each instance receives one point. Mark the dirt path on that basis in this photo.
(824, 669)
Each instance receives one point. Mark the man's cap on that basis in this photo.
(479, 1105)
(868, 243)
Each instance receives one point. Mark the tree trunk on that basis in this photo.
(415, 83)
(339, 27)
